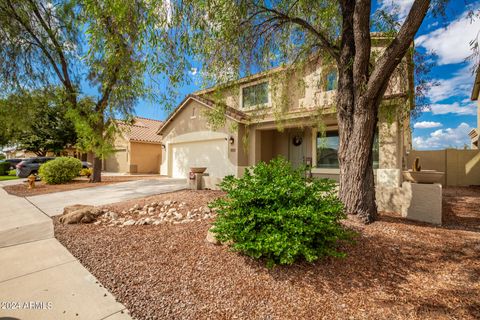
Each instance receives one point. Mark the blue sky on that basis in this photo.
(452, 114)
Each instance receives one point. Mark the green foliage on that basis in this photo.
(273, 212)
(86, 172)
(12, 172)
(4, 168)
(60, 170)
(36, 121)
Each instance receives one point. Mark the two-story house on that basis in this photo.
(287, 112)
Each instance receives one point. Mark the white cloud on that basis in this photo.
(427, 125)
(468, 109)
(193, 71)
(452, 43)
(459, 84)
(444, 138)
(398, 7)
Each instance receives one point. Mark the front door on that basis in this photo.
(296, 149)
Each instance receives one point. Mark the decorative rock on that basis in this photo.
(157, 222)
(87, 214)
(167, 202)
(151, 210)
(178, 216)
(130, 222)
(136, 207)
(142, 213)
(211, 237)
(76, 207)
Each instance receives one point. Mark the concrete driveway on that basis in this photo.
(52, 204)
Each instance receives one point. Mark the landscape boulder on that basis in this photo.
(79, 214)
(211, 237)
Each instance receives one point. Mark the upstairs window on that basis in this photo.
(331, 81)
(255, 95)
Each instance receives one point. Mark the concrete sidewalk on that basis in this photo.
(42, 280)
(52, 204)
(21, 222)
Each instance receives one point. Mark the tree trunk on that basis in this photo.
(357, 185)
(97, 169)
(97, 162)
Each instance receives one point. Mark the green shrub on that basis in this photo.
(4, 168)
(12, 172)
(86, 172)
(60, 170)
(273, 212)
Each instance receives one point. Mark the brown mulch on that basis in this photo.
(461, 207)
(21, 190)
(396, 270)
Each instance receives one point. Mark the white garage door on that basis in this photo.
(212, 154)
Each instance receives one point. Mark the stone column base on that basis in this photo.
(414, 201)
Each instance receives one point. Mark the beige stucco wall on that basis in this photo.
(118, 161)
(299, 90)
(461, 167)
(145, 157)
(191, 123)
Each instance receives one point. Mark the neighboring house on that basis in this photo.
(14, 153)
(138, 149)
(474, 133)
(270, 114)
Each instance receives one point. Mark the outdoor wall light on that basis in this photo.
(163, 146)
(231, 140)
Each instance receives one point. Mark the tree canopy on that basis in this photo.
(37, 121)
(117, 48)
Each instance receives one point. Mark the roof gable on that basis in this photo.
(230, 112)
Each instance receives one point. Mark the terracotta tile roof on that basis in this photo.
(142, 130)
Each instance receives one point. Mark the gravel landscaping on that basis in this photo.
(396, 270)
(21, 190)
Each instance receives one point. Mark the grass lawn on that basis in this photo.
(4, 178)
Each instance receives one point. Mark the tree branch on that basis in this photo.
(393, 54)
(323, 40)
(57, 46)
(361, 33)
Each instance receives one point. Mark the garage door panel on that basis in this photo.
(212, 154)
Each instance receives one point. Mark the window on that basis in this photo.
(327, 150)
(255, 95)
(331, 81)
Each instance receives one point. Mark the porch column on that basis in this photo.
(254, 148)
(390, 152)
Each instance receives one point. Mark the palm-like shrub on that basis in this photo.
(60, 170)
(273, 212)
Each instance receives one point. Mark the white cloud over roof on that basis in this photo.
(456, 108)
(444, 138)
(427, 125)
(451, 43)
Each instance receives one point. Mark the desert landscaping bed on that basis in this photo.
(396, 269)
(21, 190)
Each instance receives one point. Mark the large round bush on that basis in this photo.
(60, 170)
(273, 212)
